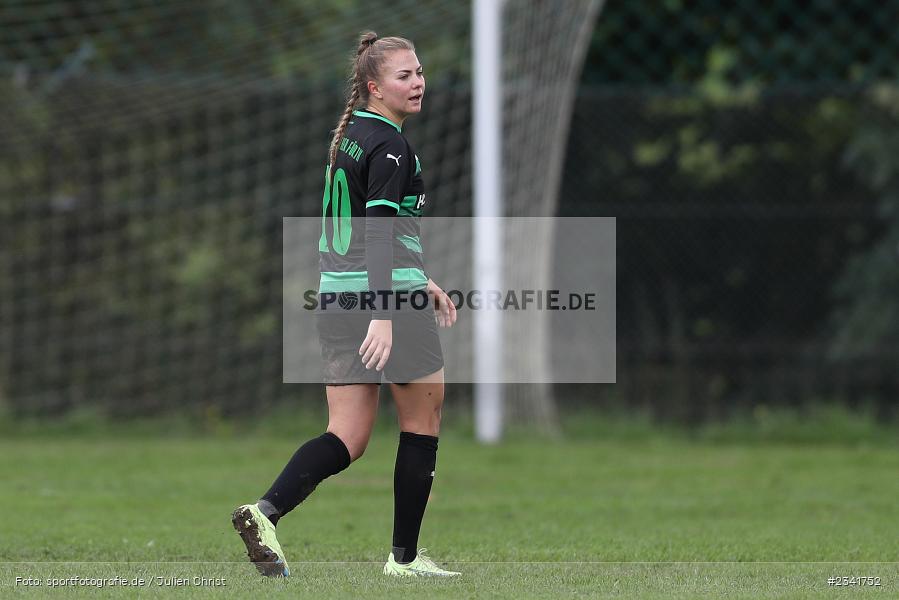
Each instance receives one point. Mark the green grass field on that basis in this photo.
(651, 517)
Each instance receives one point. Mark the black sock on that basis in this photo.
(416, 458)
(269, 510)
(316, 460)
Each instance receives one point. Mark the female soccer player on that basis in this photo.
(374, 175)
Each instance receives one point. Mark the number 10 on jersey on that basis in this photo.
(337, 195)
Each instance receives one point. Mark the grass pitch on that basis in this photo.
(658, 517)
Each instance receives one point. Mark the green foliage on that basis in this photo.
(866, 322)
(670, 42)
(710, 187)
(276, 41)
(738, 208)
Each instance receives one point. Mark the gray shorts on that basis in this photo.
(415, 351)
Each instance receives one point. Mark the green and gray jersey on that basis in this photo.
(376, 173)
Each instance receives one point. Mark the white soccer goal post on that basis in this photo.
(527, 58)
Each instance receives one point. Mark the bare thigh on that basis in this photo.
(419, 404)
(351, 414)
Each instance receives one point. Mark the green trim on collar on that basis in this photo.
(370, 115)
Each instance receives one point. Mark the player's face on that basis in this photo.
(402, 83)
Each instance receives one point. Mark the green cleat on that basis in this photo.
(422, 566)
(258, 535)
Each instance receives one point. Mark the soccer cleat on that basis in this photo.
(258, 535)
(422, 566)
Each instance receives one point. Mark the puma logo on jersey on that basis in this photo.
(396, 158)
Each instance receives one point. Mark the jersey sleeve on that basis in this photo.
(390, 169)
(379, 257)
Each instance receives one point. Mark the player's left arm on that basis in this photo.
(444, 309)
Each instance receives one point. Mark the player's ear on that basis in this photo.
(374, 91)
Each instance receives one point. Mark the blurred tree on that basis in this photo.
(866, 321)
(724, 162)
(279, 40)
(775, 43)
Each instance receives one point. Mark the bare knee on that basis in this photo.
(357, 450)
(419, 406)
(355, 443)
(426, 423)
(351, 415)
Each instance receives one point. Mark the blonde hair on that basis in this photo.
(369, 58)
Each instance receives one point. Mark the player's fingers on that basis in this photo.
(452, 311)
(385, 355)
(447, 310)
(370, 352)
(374, 358)
(443, 314)
(365, 345)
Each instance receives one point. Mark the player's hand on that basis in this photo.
(444, 309)
(375, 349)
